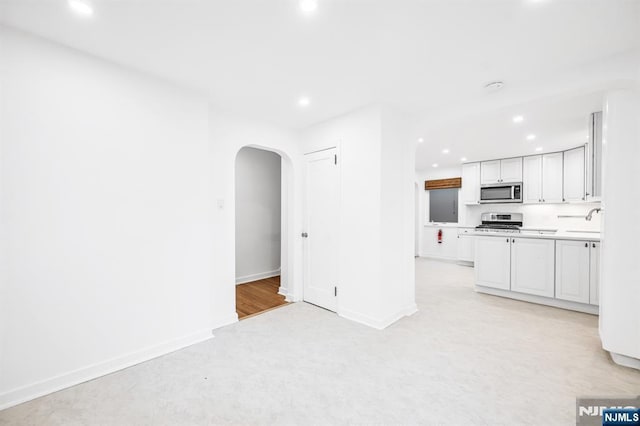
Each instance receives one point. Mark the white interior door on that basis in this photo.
(321, 229)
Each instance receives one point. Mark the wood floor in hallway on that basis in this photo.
(258, 296)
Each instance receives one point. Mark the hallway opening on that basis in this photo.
(258, 225)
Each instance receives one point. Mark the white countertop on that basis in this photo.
(559, 235)
(545, 233)
(444, 225)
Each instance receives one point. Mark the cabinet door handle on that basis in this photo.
(586, 245)
(594, 245)
(513, 240)
(507, 240)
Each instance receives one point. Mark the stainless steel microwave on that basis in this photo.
(501, 193)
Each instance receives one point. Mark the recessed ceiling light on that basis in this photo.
(81, 7)
(304, 101)
(308, 6)
(420, 140)
(518, 119)
(445, 151)
(538, 149)
(463, 159)
(531, 137)
(434, 165)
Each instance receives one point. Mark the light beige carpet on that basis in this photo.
(465, 358)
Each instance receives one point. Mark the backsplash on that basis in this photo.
(538, 215)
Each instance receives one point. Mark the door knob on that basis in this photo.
(304, 235)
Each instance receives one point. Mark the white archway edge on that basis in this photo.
(228, 135)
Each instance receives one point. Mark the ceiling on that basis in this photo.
(558, 123)
(429, 58)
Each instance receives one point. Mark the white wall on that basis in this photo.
(105, 218)
(397, 215)
(228, 133)
(117, 216)
(258, 188)
(620, 269)
(368, 161)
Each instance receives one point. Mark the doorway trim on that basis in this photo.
(289, 286)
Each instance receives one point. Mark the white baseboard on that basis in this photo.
(378, 324)
(258, 276)
(556, 303)
(72, 378)
(282, 291)
(625, 361)
(231, 319)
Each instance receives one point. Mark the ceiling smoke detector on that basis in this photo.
(494, 85)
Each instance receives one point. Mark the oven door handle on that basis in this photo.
(513, 192)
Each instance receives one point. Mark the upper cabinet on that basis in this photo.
(501, 171)
(490, 172)
(542, 178)
(511, 170)
(532, 179)
(471, 183)
(558, 177)
(574, 175)
(552, 178)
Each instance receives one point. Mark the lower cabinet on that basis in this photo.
(493, 262)
(565, 270)
(532, 266)
(465, 245)
(525, 265)
(577, 271)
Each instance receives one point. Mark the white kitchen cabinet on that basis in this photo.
(594, 273)
(532, 266)
(490, 172)
(572, 270)
(552, 178)
(574, 175)
(501, 171)
(471, 183)
(492, 262)
(465, 244)
(447, 249)
(511, 170)
(532, 179)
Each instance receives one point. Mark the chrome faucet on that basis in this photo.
(591, 212)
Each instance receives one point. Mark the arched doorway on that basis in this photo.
(261, 230)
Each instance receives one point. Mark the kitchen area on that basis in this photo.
(529, 226)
